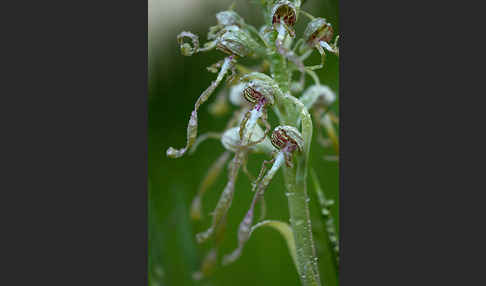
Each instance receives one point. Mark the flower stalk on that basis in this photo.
(297, 197)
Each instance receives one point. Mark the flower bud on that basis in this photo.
(285, 136)
(229, 18)
(284, 11)
(235, 41)
(318, 30)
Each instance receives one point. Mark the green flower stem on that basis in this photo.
(295, 181)
(278, 68)
(291, 111)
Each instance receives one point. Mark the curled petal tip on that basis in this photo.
(173, 153)
(186, 48)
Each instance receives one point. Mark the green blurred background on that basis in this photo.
(174, 84)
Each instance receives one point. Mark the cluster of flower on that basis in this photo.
(253, 92)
